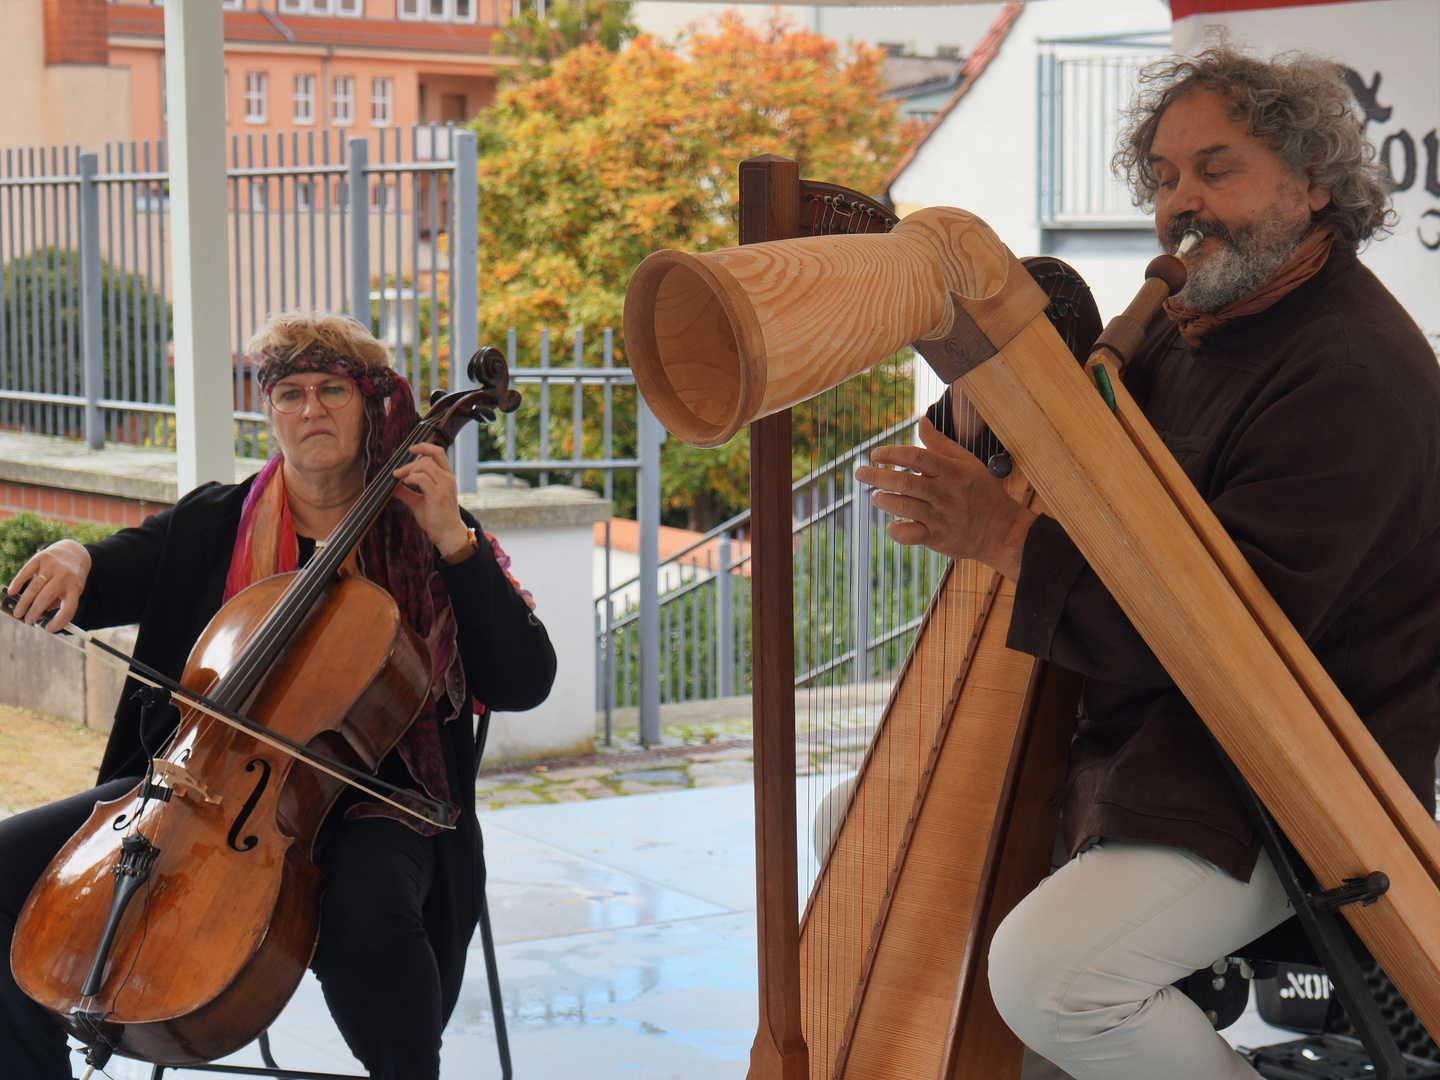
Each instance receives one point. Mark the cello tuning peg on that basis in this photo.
(435, 396)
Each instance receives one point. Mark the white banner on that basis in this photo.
(1389, 47)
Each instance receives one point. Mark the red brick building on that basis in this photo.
(353, 64)
(357, 66)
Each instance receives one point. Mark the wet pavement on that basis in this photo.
(625, 933)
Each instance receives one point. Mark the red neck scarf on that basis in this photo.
(1302, 265)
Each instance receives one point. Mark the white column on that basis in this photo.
(200, 259)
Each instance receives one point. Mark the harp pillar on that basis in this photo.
(769, 200)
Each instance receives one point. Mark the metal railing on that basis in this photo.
(1084, 87)
(858, 599)
(317, 221)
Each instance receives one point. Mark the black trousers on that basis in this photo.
(374, 960)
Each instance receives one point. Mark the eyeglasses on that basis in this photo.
(332, 393)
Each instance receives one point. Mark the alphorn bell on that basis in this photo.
(720, 339)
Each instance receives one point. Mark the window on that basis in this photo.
(232, 5)
(255, 89)
(304, 99)
(381, 93)
(439, 10)
(948, 52)
(350, 9)
(302, 193)
(342, 100)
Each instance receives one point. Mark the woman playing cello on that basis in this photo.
(402, 897)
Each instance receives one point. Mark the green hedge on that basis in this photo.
(26, 533)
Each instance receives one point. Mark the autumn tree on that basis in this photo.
(539, 39)
(586, 170)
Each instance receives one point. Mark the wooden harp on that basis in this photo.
(945, 826)
(1105, 475)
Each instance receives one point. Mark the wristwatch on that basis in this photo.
(472, 545)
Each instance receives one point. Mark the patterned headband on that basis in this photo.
(275, 364)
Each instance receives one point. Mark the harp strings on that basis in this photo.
(862, 599)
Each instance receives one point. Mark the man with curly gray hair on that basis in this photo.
(1299, 108)
(1304, 404)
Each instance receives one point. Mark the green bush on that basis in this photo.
(26, 533)
(40, 317)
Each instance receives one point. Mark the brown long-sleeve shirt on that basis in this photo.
(1312, 430)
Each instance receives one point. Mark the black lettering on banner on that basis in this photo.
(1433, 244)
(1432, 163)
(1368, 97)
(1407, 145)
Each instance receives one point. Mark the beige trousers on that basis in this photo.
(1081, 969)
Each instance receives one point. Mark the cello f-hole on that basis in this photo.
(245, 811)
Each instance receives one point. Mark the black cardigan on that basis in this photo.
(168, 574)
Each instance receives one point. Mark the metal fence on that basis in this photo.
(1082, 95)
(316, 222)
(858, 602)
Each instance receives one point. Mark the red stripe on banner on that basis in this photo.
(1183, 9)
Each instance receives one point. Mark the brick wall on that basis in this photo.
(73, 506)
(76, 32)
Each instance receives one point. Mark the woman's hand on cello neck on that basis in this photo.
(427, 486)
(53, 578)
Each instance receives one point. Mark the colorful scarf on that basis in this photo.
(1303, 264)
(395, 554)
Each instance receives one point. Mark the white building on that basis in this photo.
(1026, 140)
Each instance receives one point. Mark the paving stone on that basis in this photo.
(512, 780)
(585, 783)
(631, 787)
(600, 793)
(652, 776)
(734, 753)
(511, 795)
(579, 772)
(567, 795)
(663, 763)
(734, 771)
(718, 780)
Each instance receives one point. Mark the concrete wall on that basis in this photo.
(49, 675)
(549, 535)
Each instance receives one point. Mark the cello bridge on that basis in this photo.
(181, 780)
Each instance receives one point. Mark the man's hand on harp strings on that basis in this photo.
(945, 499)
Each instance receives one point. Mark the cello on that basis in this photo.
(177, 922)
